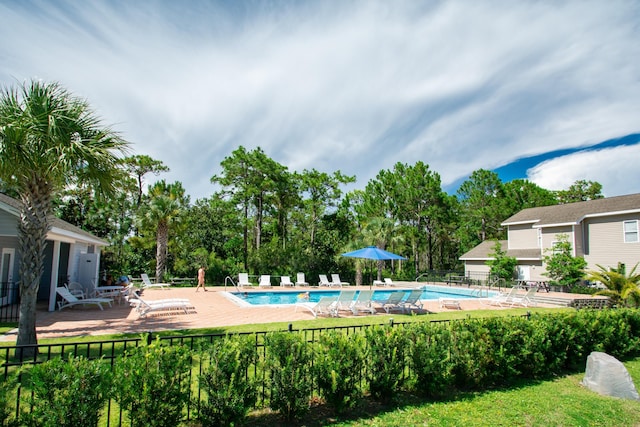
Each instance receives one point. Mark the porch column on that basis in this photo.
(54, 275)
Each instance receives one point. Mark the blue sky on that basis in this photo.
(548, 91)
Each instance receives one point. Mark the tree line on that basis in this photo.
(265, 219)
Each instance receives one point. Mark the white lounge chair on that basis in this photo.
(300, 280)
(243, 279)
(69, 300)
(326, 306)
(345, 300)
(265, 281)
(501, 299)
(386, 282)
(77, 290)
(285, 281)
(147, 283)
(449, 303)
(324, 281)
(335, 281)
(363, 302)
(527, 300)
(393, 302)
(413, 301)
(164, 305)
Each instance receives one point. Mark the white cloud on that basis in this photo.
(350, 86)
(615, 168)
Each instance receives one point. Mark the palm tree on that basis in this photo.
(382, 231)
(621, 288)
(165, 204)
(49, 139)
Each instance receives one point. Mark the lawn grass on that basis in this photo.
(320, 322)
(562, 401)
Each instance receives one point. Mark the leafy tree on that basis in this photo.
(621, 287)
(562, 267)
(580, 191)
(410, 195)
(49, 139)
(522, 194)
(320, 192)
(482, 207)
(250, 179)
(501, 265)
(139, 166)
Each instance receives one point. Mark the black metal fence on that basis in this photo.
(9, 302)
(15, 360)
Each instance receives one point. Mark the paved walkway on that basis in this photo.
(212, 309)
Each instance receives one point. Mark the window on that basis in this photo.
(631, 231)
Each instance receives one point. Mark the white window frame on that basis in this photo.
(628, 233)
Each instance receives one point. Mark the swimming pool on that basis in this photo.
(274, 298)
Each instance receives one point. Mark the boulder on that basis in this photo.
(606, 375)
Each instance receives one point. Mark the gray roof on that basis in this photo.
(574, 213)
(14, 207)
(484, 250)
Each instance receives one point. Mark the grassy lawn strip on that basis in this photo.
(559, 402)
(320, 322)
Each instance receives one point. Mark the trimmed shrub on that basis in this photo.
(338, 364)
(288, 360)
(68, 392)
(151, 383)
(430, 358)
(385, 360)
(228, 389)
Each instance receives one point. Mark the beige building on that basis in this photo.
(603, 231)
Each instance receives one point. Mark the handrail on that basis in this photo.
(230, 279)
(423, 274)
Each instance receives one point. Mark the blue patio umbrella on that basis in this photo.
(374, 253)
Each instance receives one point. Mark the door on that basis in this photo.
(6, 275)
(524, 272)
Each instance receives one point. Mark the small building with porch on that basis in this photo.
(71, 255)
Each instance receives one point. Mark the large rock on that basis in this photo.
(606, 375)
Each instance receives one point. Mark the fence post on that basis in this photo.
(290, 327)
(149, 338)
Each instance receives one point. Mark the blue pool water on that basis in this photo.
(292, 297)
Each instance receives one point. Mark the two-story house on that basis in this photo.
(604, 231)
(71, 254)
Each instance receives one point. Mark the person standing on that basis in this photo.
(201, 279)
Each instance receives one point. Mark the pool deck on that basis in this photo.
(212, 309)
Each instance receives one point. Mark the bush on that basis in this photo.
(150, 384)
(287, 359)
(338, 365)
(431, 358)
(68, 392)
(7, 390)
(229, 391)
(385, 359)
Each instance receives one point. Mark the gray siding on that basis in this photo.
(606, 242)
(8, 224)
(522, 236)
(550, 235)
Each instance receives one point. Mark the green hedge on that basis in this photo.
(430, 359)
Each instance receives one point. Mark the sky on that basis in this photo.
(547, 91)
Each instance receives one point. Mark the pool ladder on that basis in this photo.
(230, 279)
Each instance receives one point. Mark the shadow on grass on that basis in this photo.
(321, 414)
